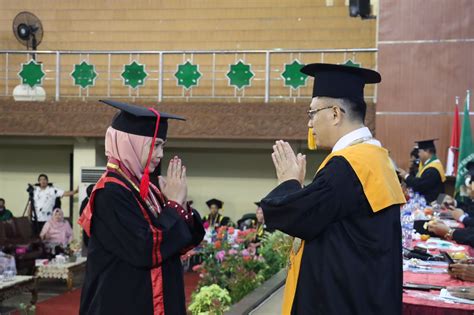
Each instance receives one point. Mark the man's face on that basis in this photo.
(43, 182)
(2, 204)
(424, 155)
(213, 209)
(323, 121)
(469, 187)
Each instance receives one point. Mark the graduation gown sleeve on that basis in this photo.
(306, 212)
(468, 222)
(464, 236)
(120, 227)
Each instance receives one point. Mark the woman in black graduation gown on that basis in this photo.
(137, 231)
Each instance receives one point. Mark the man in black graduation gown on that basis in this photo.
(346, 256)
(429, 181)
(137, 232)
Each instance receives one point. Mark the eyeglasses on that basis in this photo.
(312, 112)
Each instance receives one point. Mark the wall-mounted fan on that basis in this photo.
(28, 29)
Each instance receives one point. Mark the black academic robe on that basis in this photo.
(352, 259)
(220, 220)
(468, 222)
(464, 236)
(429, 184)
(467, 206)
(122, 255)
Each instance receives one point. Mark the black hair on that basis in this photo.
(356, 108)
(415, 153)
(1, 199)
(43, 175)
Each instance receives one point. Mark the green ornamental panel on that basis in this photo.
(350, 63)
(188, 75)
(84, 75)
(134, 74)
(292, 77)
(240, 75)
(31, 73)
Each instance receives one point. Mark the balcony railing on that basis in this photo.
(240, 75)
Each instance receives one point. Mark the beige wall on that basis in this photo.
(190, 24)
(239, 174)
(20, 165)
(237, 177)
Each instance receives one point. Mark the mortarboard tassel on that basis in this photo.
(145, 181)
(311, 143)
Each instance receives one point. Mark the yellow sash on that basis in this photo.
(381, 187)
(436, 164)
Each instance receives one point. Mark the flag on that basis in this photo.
(453, 150)
(466, 147)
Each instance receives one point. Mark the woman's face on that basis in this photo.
(57, 216)
(260, 215)
(156, 156)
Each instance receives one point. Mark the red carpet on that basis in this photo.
(64, 304)
(68, 303)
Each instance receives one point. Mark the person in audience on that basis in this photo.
(45, 196)
(346, 256)
(414, 162)
(466, 201)
(462, 271)
(463, 236)
(57, 230)
(260, 225)
(429, 181)
(5, 214)
(85, 238)
(214, 219)
(137, 231)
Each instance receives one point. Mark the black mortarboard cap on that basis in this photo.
(426, 144)
(216, 202)
(258, 203)
(340, 81)
(139, 120)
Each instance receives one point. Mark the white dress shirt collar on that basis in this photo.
(355, 135)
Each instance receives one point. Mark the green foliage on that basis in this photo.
(210, 300)
(275, 250)
(232, 261)
(27, 309)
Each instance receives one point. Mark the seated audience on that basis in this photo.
(5, 214)
(462, 236)
(414, 162)
(463, 272)
(260, 226)
(214, 219)
(57, 230)
(85, 238)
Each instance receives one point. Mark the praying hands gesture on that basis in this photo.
(288, 165)
(175, 186)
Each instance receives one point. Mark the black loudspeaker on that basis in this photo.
(359, 8)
